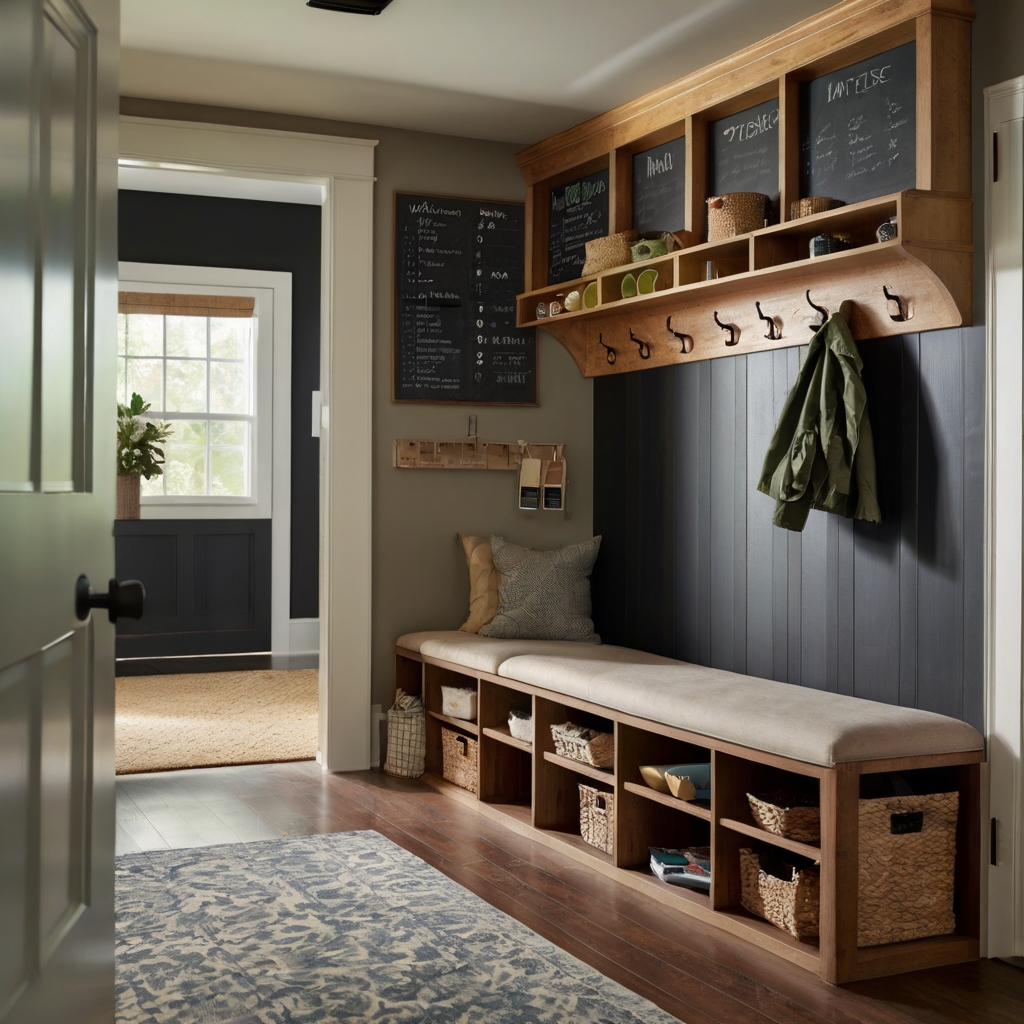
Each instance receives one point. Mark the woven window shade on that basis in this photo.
(167, 304)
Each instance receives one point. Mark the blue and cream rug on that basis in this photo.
(341, 927)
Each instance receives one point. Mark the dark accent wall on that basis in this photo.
(207, 586)
(204, 231)
(692, 567)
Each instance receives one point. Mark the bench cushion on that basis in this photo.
(793, 721)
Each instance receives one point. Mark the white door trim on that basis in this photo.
(1004, 490)
(344, 167)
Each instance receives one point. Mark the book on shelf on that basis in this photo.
(690, 867)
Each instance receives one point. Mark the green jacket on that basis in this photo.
(822, 455)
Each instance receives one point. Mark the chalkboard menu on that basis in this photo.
(458, 269)
(578, 212)
(743, 152)
(659, 187)
(859, 128)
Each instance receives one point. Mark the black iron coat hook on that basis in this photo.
(774, 334)
(899, 304)
(733, 340)
(609, 352)
(685, 341)
(814, 328)
(645, 349)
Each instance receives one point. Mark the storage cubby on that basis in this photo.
(611, 281)
(506, 763)
(434, 677)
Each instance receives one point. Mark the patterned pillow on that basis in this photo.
(544, 595)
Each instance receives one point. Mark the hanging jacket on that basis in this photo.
(822, 455)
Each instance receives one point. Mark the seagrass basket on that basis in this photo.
(907, 855)
(791, 904)
(735, 213)
(812, 204)
(128, 489)
(586, 745)
(609, 251)
(597, 817)
(787, 815)
(458, 759)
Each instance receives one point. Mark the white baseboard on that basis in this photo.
(303, 636)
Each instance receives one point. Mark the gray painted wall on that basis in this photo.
(692, 567)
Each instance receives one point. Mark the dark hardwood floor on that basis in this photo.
(697, 973)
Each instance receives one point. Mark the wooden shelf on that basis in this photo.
(697, 809)
(506, 737)
(577, 844)
(804, 849)
(605, 775)
(459, 723)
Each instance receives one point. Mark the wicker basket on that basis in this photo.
(129, 486)
(609, 251)
(787, 815)
(905, 878)
(790, 904)
(586, 745)
(597, 817)
(736, 213)
(407, 738)
(812, 204)
(458, 759)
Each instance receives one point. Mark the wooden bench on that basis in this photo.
(758, 734)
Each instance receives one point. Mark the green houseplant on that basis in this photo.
(139, 453)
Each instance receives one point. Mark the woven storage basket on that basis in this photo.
(458, 758)
(407, 742)
(609, 251)
(905, 877)
(587, 745)
(791, 905)
(597, 817)
(735, 213)
(129, 486)
(812, 204)
(773, 813)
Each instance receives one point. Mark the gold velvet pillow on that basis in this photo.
(483, 582)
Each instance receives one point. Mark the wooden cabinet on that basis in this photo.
(534, 791)
(927, 269)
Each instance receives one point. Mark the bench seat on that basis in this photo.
(797, 722)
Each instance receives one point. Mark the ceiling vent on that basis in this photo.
(350, 6)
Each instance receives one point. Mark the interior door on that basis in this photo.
(58, 181)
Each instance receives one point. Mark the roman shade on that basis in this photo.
(171, 304)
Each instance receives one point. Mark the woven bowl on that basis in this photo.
(736, 213)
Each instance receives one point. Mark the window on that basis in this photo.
(192, 357)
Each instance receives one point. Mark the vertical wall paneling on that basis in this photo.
(889, 612)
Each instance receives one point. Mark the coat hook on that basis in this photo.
(645, 349)
(727, 327)
(899, 305)
(774, 334)
(609, 351)
(685, 341)
(814, 328)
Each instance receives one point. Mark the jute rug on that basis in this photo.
(342, 927)
(215, 718)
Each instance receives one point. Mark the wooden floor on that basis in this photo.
(693, 971)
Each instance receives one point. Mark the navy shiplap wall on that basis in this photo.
(691, 566)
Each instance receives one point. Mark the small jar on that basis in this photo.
(556, 305)
(542, 310)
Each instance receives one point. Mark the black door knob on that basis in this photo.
(122, 600)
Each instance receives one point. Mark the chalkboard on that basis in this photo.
(859, 128)
(458, 269)
(743, 152)
(659, 187)
(578, 212)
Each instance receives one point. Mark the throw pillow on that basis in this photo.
(483, 583)
(544, 595)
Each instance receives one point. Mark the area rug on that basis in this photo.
(215, 718)
(340, 927)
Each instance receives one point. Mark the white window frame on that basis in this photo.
(270, 456)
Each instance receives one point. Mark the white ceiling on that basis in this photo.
(513, 70)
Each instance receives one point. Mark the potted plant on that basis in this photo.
(138, 453)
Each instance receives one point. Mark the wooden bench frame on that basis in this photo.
(534, 792)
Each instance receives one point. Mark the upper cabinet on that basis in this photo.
(866, 104)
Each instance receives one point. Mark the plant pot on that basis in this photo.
(128, 485)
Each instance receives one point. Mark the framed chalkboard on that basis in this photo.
(458, 268)
(743, 152)
(659, 187)
(578, 212)
(859, 128)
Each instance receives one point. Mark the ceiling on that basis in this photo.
(510, 70)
